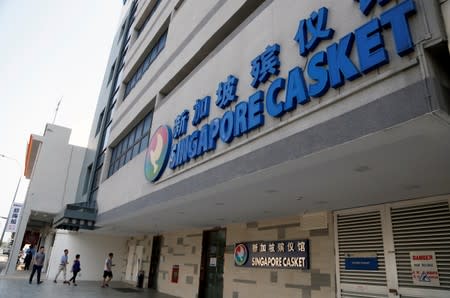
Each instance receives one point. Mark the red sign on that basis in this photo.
(175, 273)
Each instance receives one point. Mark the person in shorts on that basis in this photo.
(107, 273)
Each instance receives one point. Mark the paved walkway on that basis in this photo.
(17, 286)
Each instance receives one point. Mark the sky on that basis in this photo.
(50, 49)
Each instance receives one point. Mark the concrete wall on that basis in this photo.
(55, 175)
(272, 22)
(185, 250)
(93, 250)
(319, 281)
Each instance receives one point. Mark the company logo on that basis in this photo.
(240, 254)
(158, 152)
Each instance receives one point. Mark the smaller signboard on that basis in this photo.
(14, 217)
(424, 268)
(361, 261)
(286, 254)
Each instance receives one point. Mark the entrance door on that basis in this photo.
(154, 262)
(211, 269)
(391, 234)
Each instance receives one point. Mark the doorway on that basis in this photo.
(212, 263)
(154, 262)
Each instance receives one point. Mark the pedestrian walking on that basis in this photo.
(38, 264)
(63, 267)
(29, 254)
(107, 273)
(76, 267)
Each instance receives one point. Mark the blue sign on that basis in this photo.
(329, 68)
(361, 263)
(288, 254)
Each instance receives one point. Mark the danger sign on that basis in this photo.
(424, 268)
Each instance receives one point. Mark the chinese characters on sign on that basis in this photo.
(289, 254)
(226, 92)
(181, 124)
(265, 64)
(316, 27)
(201, 109)
(329, 67)
(13, 219)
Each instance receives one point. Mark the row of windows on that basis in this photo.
(137, 140)
(131, 145)
(152, 12)
(151, 56)
(108, 112)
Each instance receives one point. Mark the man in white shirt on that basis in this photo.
(107, 273)
(62, 266)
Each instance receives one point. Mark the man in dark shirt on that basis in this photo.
(39, 258)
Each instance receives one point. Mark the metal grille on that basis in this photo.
(426, 228)
(361, 233)
(349, 294)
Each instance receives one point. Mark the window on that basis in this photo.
(86, 178)
(131, 145)
(122, 30)
(151, 56)
(152, 12)
(111, 73)
(99, 122)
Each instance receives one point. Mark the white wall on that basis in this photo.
(93, 250)
(55, 175)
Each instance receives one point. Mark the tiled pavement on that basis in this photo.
(17, 286)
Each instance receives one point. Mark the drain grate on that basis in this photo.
(127, 290)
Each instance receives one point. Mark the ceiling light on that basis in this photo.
(412, 187)
(321, 202)
(361, 169)
(220, 204)
(299, 198)
(271, 191)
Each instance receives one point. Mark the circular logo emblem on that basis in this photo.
(158, 152)
(240, 254)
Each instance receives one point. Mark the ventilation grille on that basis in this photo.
(422, 228)
(361, 233)
(349, 294)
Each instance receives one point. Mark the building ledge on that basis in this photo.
(76, 216)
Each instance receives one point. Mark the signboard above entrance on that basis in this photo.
(286, 254)
(325, 69)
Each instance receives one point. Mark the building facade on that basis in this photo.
(275, 148)
(53, 167)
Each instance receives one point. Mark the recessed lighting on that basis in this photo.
(361, 169)
(220, 219)
(220, 204)
(321, 202)
(271, 191)
(180, 212)
(299, 198)
(412, 187)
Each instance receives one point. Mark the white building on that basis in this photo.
(273, 149)
(53, 167)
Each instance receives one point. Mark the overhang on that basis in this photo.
(32, 151)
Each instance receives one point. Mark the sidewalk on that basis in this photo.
(17, 286)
